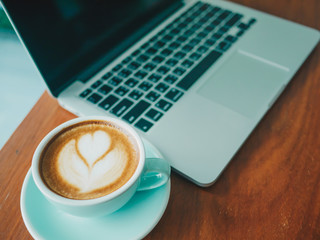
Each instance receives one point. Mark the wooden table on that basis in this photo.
(270, 190)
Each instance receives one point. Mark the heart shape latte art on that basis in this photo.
(89, 163)
(93, 146)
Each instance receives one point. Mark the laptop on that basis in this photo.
(194, 78)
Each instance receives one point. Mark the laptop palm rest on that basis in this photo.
(245, 83)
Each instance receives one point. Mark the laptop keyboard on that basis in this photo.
(146, 84)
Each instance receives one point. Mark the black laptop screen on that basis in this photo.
(64, 37)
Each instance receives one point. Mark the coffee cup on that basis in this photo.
(92, 166)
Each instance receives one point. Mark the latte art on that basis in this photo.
(88, 164)
(88, 161)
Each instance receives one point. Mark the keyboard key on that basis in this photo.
(131, 82)
(159, 44)
(166, 29)
(140, 74)
(202, 49)
(182, 25)
(154, 77)
(187, 63)
(158, 59)
(240, 33)
(152, 96)
(187, 48)
(194, 15)
(170, 79)
(194, 41)
(125, 73)
(204, 19)
(209, 28)
(224, 14)
(216, 36)
(161, 87)
(171, 62)
(153, 39)
(117, 68)
(196, 72)
(134, 65)
(136, 111)
(145, 45)
(149, 66)
(182, 39)
(151, 51)
(145, 86)
(94, 98)
(121, 107)
(174, 45)
(179, 55)
(143, 125)
(85, 93)
(164, 105)
(243, 26)
(136, 53)
(167, 37)
(108, 102)
(135, 94)
(105, 89)
(195, 56)
(174, 94)
(189, 32)
(127, 60)
(188, 20)
(154, 114)
(96, 84)
(252, 21)
(163, 70)
(198, 4)
(175, 31)
(107, 76)
(210, 42)
(204, 6)
(176, 21)
(166, 52)
(202, 34)
(115, 81)
(223, 29)
(196, 26)
(232, 21)
(223, 46)
(142, 58)
(216, 22)
(230, 38)
(212, 12)
(121, 91)
(179, 71)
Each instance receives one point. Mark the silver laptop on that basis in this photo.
(194, 78)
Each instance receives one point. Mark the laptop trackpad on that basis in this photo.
(245, 84)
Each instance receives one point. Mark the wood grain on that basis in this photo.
(270, 190)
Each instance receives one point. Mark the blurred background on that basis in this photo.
(20, 83)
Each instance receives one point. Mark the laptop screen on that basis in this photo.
(65, 37)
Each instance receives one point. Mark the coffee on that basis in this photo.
(88, 160)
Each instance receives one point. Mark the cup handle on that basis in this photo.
(156, 173)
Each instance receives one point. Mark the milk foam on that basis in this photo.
(90, 162)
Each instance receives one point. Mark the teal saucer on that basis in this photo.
(133, 221)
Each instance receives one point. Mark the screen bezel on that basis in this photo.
(83, 70)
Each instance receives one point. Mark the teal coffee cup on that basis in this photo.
(92, 166)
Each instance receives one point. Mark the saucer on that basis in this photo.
(133, 221)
